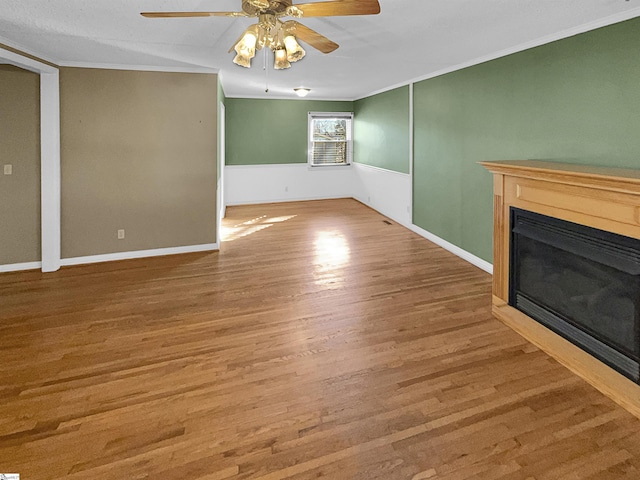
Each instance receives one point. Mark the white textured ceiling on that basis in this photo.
(409, 39)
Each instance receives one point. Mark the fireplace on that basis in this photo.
(583, 283)
(566, 267)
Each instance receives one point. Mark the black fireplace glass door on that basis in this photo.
(562, 272)
(594, 297)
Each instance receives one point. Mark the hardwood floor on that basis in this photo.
(320, 341)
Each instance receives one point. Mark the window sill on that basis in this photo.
(330, 166)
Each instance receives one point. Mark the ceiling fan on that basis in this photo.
(279, 36)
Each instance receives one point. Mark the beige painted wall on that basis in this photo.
(19, 147)
(138, 152)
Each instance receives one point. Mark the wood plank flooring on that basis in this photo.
(319, 342)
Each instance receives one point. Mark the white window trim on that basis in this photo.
(314, 115)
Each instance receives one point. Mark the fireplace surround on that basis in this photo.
(575, 293)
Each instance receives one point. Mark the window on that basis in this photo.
(330, 138)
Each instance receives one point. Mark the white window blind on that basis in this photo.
(330, 138)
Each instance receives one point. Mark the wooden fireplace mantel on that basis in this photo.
(604, 198)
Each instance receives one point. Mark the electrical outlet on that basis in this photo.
(8, 169)
(286, 189)
(121, 234)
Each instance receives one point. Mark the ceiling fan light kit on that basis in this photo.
(281, 37)
(271, 33)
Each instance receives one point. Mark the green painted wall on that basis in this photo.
(271, 131)
(381, 130)
(576, 100)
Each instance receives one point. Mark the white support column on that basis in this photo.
(411, 149)
(411, 133)
(50, 170)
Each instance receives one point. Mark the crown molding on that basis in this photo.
(292, 97)
(571, 32)
(141, 68)
(26, 52)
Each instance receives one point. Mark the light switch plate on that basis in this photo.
(8, 169)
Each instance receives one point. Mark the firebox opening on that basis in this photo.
(581, 282)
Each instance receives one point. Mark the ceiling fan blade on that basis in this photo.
(339, 8)
(191, 14)
(311, 37)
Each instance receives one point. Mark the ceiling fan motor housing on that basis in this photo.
(255, 7)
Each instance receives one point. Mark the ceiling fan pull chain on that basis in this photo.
(266, 71)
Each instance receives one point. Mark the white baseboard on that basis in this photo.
(16, 267)
(469, 257)
(157, 252)
(285, 200)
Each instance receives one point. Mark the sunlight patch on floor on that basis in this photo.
(244, 229)
(331, 254)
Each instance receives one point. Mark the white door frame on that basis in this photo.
(222, 203)
(49, 154)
